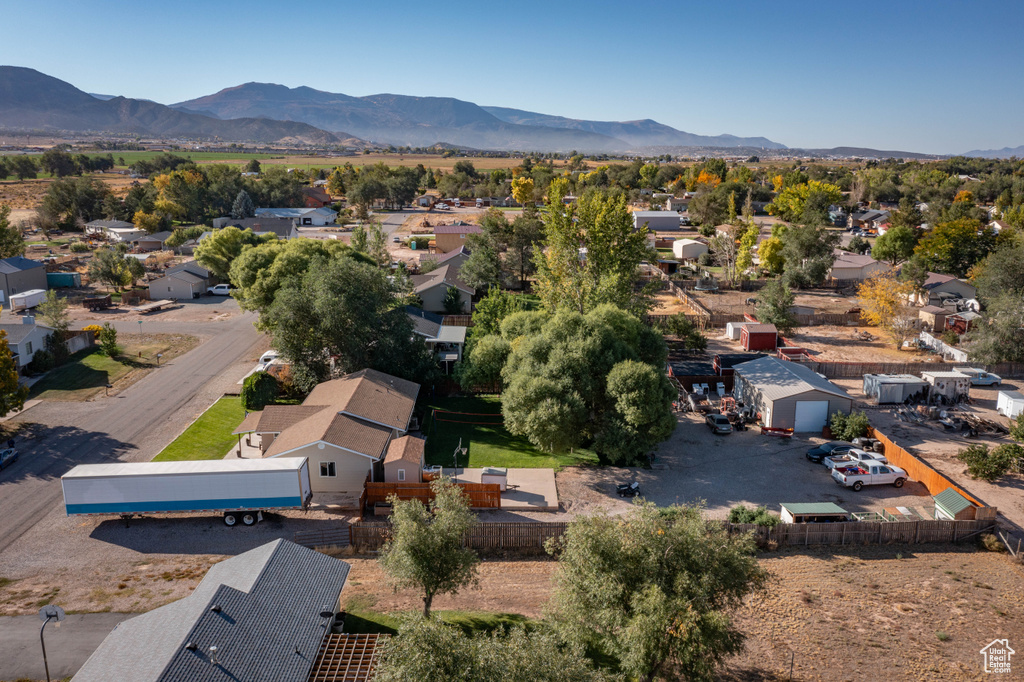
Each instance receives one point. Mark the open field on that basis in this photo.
(735, 302)
(488, 443)
(208, 437)
(88, 372)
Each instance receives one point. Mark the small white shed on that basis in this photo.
(733, 329)
(1010, 403)
(951, 385)
(688, 249)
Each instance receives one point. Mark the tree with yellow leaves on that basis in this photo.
(885, 302)
(522, 190)
(710, 180)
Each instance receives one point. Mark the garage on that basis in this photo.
(788, 395)
(811, 416)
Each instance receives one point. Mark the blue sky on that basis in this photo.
(933, 76)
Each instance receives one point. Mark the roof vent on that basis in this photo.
(213, 656)
(191, 646)
(215, 608)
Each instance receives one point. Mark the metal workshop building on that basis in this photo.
(892, 388)
(789, 395)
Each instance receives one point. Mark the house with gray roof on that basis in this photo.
(789, 395)
(25, 339)
(19, 274)
(282, 228)
(343, 426)
(114, 230)
(181, 282)
(445, 340)
(301, 217)
(433, 286)
(260, 616)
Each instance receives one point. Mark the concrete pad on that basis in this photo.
(68, 644)
(528, 489)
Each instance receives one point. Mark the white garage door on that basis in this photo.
(811, 416)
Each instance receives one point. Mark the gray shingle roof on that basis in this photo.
(776, 378)
(18, 264)
(16, 333)
(270, 601)
(424, 323)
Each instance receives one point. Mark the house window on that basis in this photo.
(401, 474)
(327, 470)
(28, 348)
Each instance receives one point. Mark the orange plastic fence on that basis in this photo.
(918, 470)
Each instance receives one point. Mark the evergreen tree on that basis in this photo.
(243, 206)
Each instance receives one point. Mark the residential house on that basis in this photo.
(114, 230)
(445, 340)
(151, 242)
(933, 318)
(940, 287)
(433, 286)
(448, 238)
(265, 615)
(788, 395)
(316, 197)
(425, 200)
(855, 267)
(656, 221)
(181, 282)
(282, 228)
(677, 204)
(405, 460)
(999, 225)
(344, 427)
(301, 217)
(25, 339)
(19, 274)
(867, 219)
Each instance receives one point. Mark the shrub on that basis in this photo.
(706, 259)
(80, 247)
(761, 516)
(42, 362)
(681, 327)
(991, 543)
(108, 340)
(849, 426)
(94, 328)
(258, 391)
(950, 337)
(990, 465)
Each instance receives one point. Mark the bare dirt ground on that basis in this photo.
(203, 309)
(735, 302)
(816, 610)
(28, 194)
(829, 343)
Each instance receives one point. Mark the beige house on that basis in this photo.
(344, 428)
(855, 267)
(405, 460)
(449, 238)
(433, 287)
(181, 283)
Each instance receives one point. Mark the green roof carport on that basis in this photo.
(813, 508)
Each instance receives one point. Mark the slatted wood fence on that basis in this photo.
(532, 536)
(481, 495)
(334, 536)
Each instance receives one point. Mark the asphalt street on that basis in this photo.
(130, 426)
(68, 644)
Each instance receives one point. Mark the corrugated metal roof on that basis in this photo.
(813, 508)
(451, 334)
(896, 379)
(952, 501)
(777, 379)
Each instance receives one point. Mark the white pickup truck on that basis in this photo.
(870, 474)
(854, 456)
(219, 290)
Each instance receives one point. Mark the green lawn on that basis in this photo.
(488, 443)
(208, 437)
(361, 618)
(84, 375)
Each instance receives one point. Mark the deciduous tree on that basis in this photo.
(791, 203)
(12, 242)
(774, 302)
(218, 250)
(12, 392)
(425, 550)
(896, 245)
(259, 390)
(654, 588)
(885, 302)
(522, 190)
(952, 248)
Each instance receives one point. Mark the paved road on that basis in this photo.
(67, 646)
(131, 426)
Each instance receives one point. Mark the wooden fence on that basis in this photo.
(481, 495)
(856, 370)
(532, 536)
(865, 532)
(919, 470)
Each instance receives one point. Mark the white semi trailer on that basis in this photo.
(242, 489)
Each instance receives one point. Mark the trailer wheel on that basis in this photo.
(249, 518)
(230, 519)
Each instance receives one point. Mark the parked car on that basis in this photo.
(870, 474)
(266, 359)
(219, 290)
(396, 240)
(8, 457)
(718, 423)
(854, 456)
(835, 447)
(979, 377)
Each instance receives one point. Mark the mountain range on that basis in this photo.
(1004, 153)
(32, 100)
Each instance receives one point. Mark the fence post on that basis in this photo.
(917, 530)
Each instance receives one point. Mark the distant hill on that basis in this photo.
(645, 133)
(32, 100)
(1004, 153)
(396, 119)
(866, 153)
